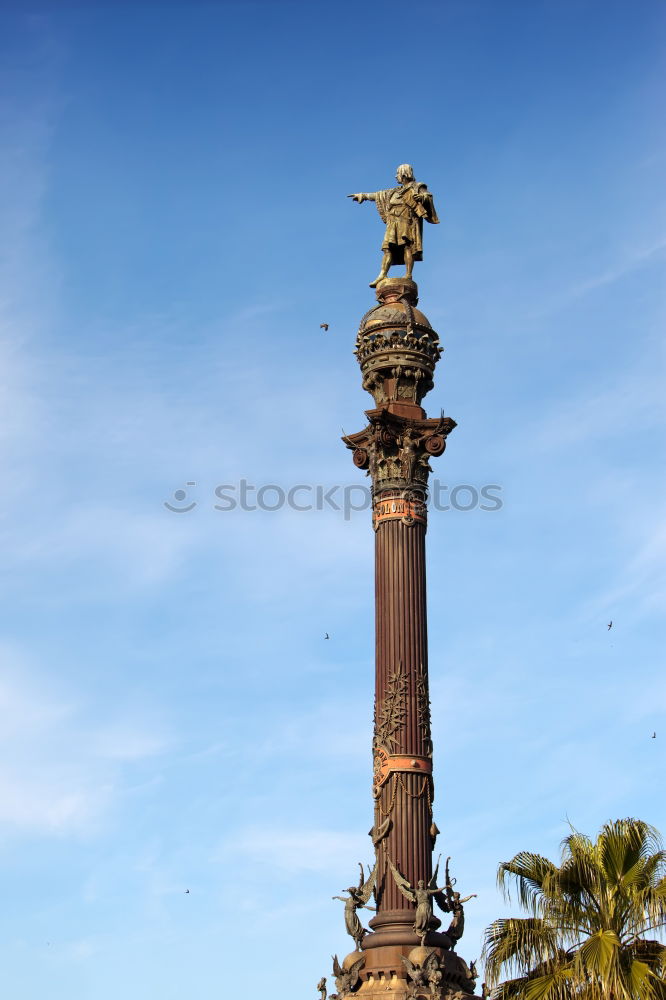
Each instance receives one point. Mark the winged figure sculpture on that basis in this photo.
(346, 979)
(422, 897)
(356, 900)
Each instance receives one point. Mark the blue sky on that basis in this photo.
(174, 232)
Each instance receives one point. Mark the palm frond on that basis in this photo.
(555, 985)
(528, 872)
(586, 935)
(599, 954)
(641, 982)
(517, 945)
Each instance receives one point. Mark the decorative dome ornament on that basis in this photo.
(396, 346)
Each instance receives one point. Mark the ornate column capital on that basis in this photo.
(395, 450)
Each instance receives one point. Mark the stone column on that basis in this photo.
(397, 350)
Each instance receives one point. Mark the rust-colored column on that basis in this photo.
(402, 725)
(397, 350)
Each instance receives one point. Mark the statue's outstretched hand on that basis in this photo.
(357, 197)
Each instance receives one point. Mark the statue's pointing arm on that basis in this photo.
(364, 196)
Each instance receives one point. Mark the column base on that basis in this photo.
(400, 972)
(398, 989)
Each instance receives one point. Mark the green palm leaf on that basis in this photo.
(599, 954)
(590, 933)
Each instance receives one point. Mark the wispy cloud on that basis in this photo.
(139, 548)
(633, 261)
(28, 277)
(125, 741)
(640, 585)
(248, 314)
(635, 399)
(628, 262)
(61, 768)
(296, 850)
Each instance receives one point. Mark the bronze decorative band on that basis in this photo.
(385, 764)
(398, 508)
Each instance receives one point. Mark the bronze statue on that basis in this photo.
(403, 210)
(346, 979)
(428, 974)
(417, 973)
(435, 976)
(356, 900)
(422, 897)
(457, 925)
(409, 453)
(321, 986)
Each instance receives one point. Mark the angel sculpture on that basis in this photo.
(321, 986)
(435, 976)
(346, 979)
(417, 973)
(356, 900)
(428, 974)
(455, 906)
(422, 897)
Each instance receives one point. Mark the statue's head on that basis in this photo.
(421, 883)
(404, 173)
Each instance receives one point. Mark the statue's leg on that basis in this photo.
(409, 262)
(386, 263)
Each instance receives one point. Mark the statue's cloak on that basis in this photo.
(403, 210)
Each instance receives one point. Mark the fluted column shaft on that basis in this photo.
(401, 678)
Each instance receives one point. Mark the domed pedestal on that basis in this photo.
(397, 348)
(402, 972)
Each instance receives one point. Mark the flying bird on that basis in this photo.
(610, 624)
(327, 636)
(323, 326)
(187, 891)
(654, 736)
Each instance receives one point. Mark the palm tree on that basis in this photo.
(590, 933)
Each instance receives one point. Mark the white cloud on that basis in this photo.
(59, 772)
(123, 741)
(632, 261)
(636, 398)
(629, 260)
(140, 548)
(312, 849)
(82, 949)
(640, 585)
(293, 732)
